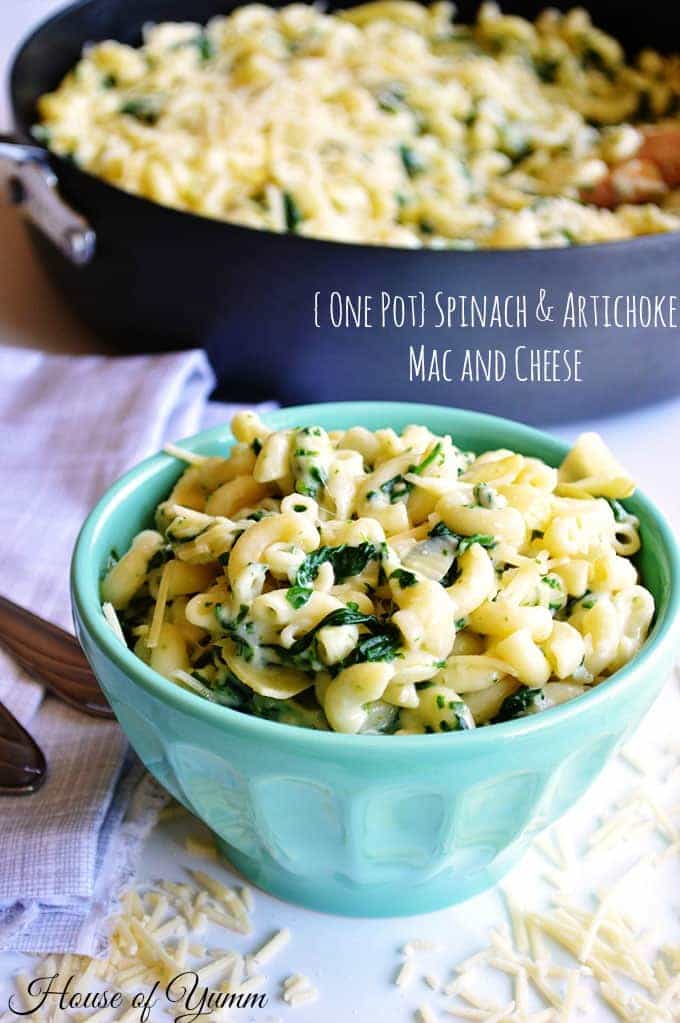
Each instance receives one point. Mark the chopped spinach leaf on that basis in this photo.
(521, 704)
(546, 68)
(441, 529)
(428, 460)
(391, 98)
(204, 45)
(292, 212)
(396, 488)
(404, 578)
(297, 596)
(620, 513)
(162, 555)
(463, 714)
(345, 560)
(413, 164)
(233, 693)
(382, 643)
(382, 647)
(112, 559)
(462, 543)
(235, 628)
(142, 109)
(310, 478)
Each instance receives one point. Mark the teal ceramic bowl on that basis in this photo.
(367, 825)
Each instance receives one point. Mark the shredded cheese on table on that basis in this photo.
(564, 959)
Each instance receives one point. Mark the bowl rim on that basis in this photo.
(657, 240)
(87, 605)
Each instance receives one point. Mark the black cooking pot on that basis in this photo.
(148, 277)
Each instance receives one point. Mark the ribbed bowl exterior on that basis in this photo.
(370, 835)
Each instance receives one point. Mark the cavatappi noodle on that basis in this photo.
(388, 123)
(379, 582)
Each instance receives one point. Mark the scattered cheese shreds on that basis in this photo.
(406, 974)
(425, 1014)
(604, 942)
(414, 945)
(151, 940)
(183, 454)
(227, 897)
(271, 947)
(247, 899)
(154, 934)
(159, 610)
(465, 1012)
(113, 621)
(299, 990)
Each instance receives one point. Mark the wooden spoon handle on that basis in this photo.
(53, 656)
(23, 768)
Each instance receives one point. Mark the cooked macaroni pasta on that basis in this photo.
(387, 123)
(380, 582)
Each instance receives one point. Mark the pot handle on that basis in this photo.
(29, 183)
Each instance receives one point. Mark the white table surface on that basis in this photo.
(354, 962)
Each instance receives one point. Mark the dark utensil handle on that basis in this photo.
(30, 184)
(23, 767)
(53, 656)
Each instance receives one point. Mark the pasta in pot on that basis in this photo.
(387, 123)
(381, 582)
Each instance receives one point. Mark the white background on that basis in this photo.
(354, 962)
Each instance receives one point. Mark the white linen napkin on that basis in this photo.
(69, 426)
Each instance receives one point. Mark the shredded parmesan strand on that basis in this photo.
(161, 602)
(406, 974)
(184, 455)
(272, 947)
(299, 990)
(414, 945)
(425, 1014)
(113, 620)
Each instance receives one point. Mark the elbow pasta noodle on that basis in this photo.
(299, 596)
(387, 123)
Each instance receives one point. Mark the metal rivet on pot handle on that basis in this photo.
(28, 182)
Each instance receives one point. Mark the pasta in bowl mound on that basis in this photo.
(376, 582)
(388, 123)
